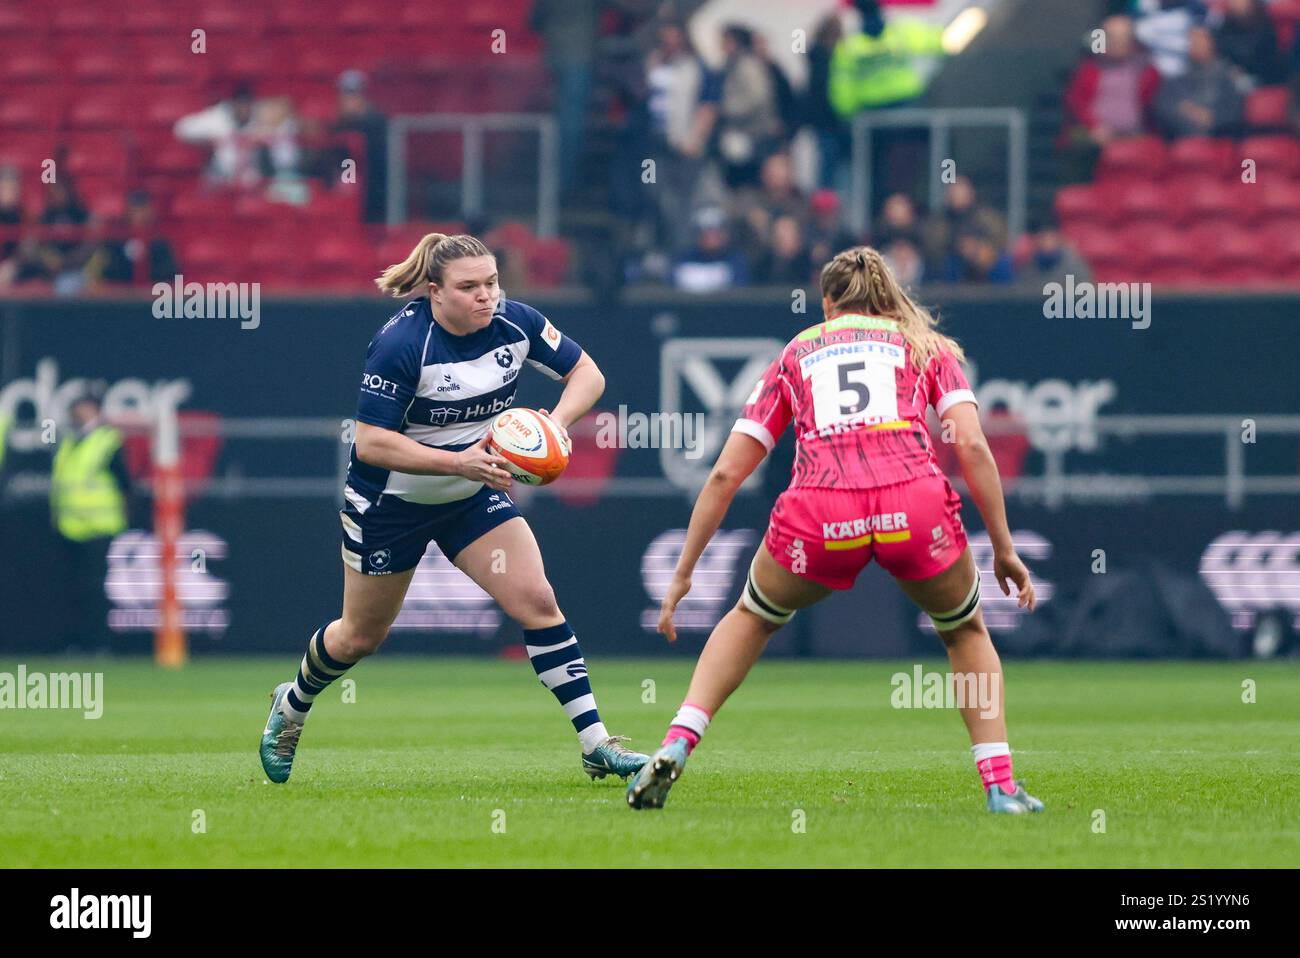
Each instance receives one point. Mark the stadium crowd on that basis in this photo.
(733, 199)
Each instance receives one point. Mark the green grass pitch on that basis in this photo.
(436, 752)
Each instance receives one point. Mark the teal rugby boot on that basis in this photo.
(649, 788)
(1015, 803)
(279, 738)
(610, 757)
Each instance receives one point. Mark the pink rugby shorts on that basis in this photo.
(913, 529)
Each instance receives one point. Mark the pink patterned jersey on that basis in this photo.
(857, 403)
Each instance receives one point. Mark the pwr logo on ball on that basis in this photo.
(535, 450)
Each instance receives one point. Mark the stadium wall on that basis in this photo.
(265, 520)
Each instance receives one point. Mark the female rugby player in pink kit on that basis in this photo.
(865, 484)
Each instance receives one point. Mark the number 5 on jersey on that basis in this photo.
(861, 385)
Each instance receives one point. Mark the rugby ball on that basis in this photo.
(532, 446)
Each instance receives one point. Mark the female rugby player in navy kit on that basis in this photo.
(436, 374)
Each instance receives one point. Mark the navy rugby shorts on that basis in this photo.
(391, 535)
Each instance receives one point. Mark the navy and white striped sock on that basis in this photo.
(317, 671)
(558, 662)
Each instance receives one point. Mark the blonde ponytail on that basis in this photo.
(859, 280)
(426, 262)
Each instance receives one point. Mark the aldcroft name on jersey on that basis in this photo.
(443, 390)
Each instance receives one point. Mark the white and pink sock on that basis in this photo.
(689, 723)
(993, 759)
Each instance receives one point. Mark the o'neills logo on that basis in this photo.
(102, 911)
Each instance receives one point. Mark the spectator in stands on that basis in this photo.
(1164, 27)
(876, 68)
(830, 129)
(714, 264)
(882, 67)
(962, 214)
(749, 123)
(227, 127)
(826, 232)
(787, 104)
(785, 261)
(1109, 96)
(681, 99)
(756, 208)
(358, 115)
(1203, 101)
(568, 29)
(11, 212)
(275, 130)
(1051, 258)
(63, 259)
(144, 255)
(904, 259)
(897, 220)
(1246, 38)
(976, 258)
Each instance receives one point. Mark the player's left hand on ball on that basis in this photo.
(564, 433)
(677, 590)
(1010, 568)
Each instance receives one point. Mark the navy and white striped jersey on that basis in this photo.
(443, 390)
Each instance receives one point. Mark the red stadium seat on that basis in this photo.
(103, 110)
(548, 262)
(97, 153)
(1278, 204)
(96, 65)
(511, 235)
(1202, 155)
(1140, 201)
(1218, 249)
(1149, 246)
(1103, 250)
(171, 62)
(216, 16)
(1141, 156)
(31, 108)
(1206, 199)
(174, 158)
(25, 149)
(155, 17)
(30, 66)
(1273, 155)
(1268, 108)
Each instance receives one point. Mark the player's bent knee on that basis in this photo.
(534, 604)
(357, 643)
(755, 601)
(949, 624)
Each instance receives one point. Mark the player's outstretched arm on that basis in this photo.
(980, 471)
(739, 458)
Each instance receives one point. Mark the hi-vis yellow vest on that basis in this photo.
(84, 494)
(869, 72)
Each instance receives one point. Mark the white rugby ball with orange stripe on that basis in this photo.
(533, 447)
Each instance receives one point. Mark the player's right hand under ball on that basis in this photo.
(480, 464)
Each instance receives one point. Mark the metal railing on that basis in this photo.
(472, 128)
(940, 122)
(1054, 487)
